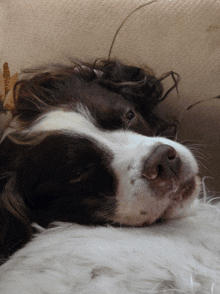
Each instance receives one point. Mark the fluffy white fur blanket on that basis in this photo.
(181, 256)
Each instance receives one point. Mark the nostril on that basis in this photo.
(160, 170)
(171, 153)
(163, 163)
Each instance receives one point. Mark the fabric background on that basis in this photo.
(179, 35)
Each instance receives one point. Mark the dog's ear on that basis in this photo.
(137, 85)
(15, 227)
(142, 89)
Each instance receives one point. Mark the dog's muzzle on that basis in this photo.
(163, 164)
(165, 172)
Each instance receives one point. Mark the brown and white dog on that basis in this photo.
(84, 147)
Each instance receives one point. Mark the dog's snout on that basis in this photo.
(164, 163)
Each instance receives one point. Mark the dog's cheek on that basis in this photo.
(101, 209)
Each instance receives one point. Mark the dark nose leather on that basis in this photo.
(163, 163)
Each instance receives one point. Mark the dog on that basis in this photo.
(85, 147)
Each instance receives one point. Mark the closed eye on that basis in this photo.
(83, 174)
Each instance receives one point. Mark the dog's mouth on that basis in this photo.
(182, 190)
(181, 197)
(177, 201)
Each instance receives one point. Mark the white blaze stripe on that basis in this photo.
(82, 124)
(62, 120)
(124, 144)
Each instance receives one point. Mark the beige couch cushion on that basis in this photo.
(179, 35)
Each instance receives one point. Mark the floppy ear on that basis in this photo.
(15, 227)
(137, 85)
(141, 88)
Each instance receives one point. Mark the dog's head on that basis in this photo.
(82, 147)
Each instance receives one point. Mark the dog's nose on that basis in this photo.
(163, 163)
